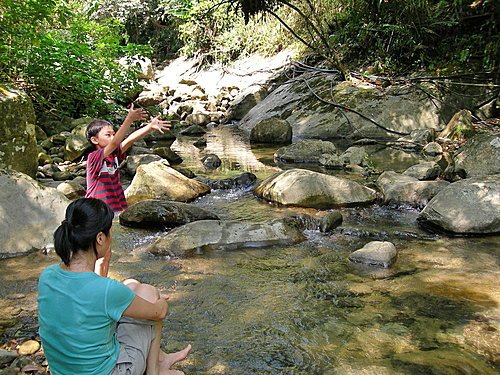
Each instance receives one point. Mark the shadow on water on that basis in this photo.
(305, 309)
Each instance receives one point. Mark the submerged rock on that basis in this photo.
(163, 213)
(244, 180)
(470, 206)
(375, 253)
(300, 187)
(224, 235)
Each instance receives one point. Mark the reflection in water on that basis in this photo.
(304, 309)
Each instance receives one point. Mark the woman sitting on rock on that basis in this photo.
(90, 324)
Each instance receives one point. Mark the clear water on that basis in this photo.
(305, 309)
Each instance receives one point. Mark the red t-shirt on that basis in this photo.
(103, 178)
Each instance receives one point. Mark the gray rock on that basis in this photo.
(71, 189)
(133, 161)
(7, 356)
(331, 221)
(193, 130)
(480, 156)
(375, 253)
(470, 206)
(305, 151)
(355, 156)
(18, 149)
(224, 235)
(330, 161)
(29, 213)
(75, 146)
(245, 101)
(168, 154)
(433, 149)
(198, 119)
(401, 189)
(162, 213)
(424, 171)
(300, 187)
(244, 180)
(272, 130)
(211, 161)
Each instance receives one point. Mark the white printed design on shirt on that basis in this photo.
(110, 169)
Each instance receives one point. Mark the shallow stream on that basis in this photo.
(304, 309)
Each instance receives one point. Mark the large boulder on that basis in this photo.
(18, 148)
(406, 190)
(133, 161)
(401, 108)
(224, 235)
(470, 206)
(29, 213)
(480, 156)
(159, 181)
(162, 213)
(300, 187)
(426, 170)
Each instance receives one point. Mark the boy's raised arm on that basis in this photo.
(133, 115)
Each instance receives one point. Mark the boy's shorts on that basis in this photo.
(135, 337)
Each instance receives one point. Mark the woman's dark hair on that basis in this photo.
(85, 218)
(95, 127)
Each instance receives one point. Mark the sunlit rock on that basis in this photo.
(300, 187)
(224, 235)
(470, 206)
(29, 213)
(375, 253)
(159, 181)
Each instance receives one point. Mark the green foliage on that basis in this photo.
(66, 62)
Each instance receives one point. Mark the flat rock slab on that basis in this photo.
(224, 235)
(375, 253)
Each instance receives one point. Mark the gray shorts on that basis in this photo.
(135, 338)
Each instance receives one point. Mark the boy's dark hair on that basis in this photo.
(85, 218)
(95, 127)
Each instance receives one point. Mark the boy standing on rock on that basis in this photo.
(103, 176)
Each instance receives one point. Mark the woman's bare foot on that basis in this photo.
(170, 359)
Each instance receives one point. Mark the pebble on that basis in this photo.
(29, 347)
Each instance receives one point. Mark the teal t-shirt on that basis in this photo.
(77, 314)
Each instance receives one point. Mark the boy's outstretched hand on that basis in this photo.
(136, 114)
(160, 125)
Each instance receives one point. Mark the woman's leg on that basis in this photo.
(158, 362)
